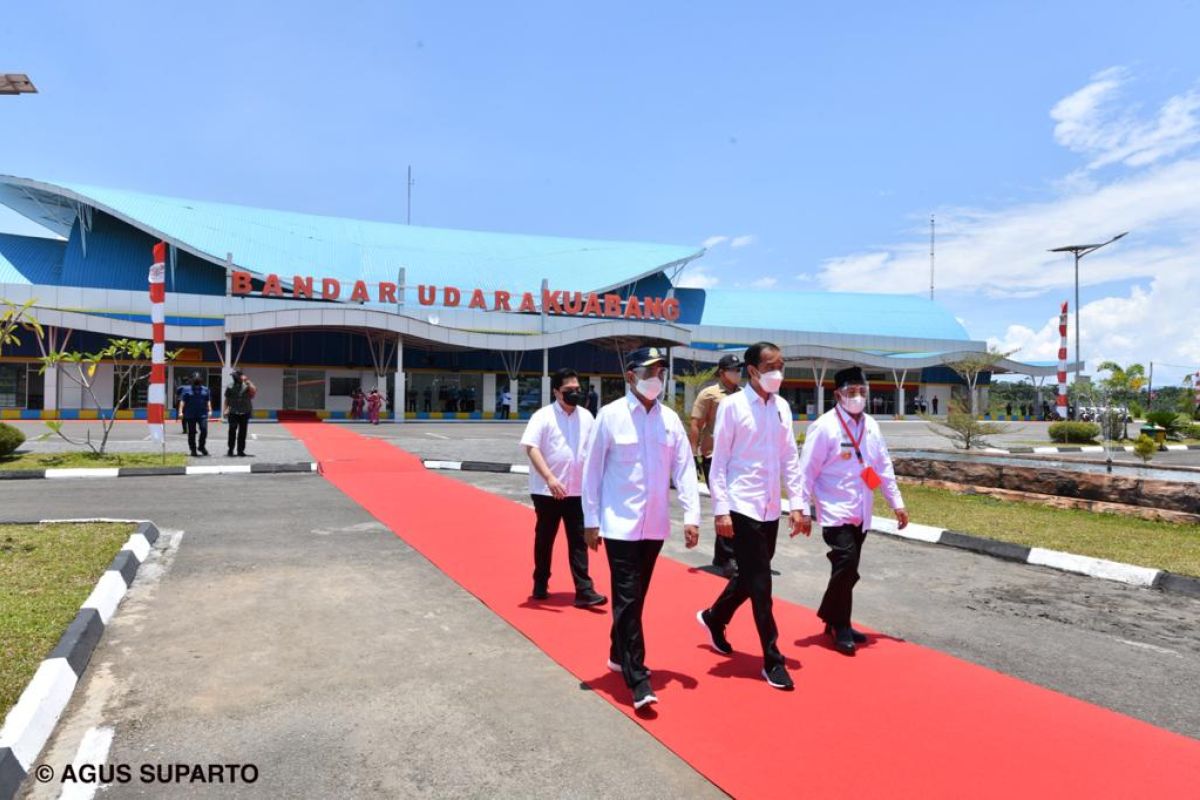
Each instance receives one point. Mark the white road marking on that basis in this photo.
(93, 751)
(1153, 647)
(435, 435)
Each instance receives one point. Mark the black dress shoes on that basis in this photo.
(843, 639)
(540, 593)
(859, 638)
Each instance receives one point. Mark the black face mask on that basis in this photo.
(572, 397)
(196, 382)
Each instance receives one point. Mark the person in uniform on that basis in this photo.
(843, 461)
(700, 434)
(554, 440)
(195, 407)
(637, 448)
(754, 451)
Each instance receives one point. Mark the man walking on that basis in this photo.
(239, 397)
(195, 407)
(637, 448)
(554, 441)
(844, 460)
(593, 400)
(700, 434)
(753, 452)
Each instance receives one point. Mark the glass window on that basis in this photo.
(447, 392)
(126, 396)
(36, 388)
(12, 385)
(304, 389)
(343, 387)
(611, 389)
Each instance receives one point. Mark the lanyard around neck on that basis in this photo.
(855, 443)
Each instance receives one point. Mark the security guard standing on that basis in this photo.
(843, 462)
(700, 434)
(637, 448)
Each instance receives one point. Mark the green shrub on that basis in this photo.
(1074, 432)
(1136, 411)
(1145, 447)
(10, 439)
(1192, 431)
(1169, 420)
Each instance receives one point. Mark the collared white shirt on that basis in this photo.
(832, 474)
(753, 450)
(561, 438)
(630, 461)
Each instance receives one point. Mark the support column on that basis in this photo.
(50, 377)
(400, 401)
(227, 367)
(545, 377)
(902, 402)
(489, 393)
(671, 384)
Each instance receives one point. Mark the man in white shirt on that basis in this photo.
(844, 460)
(754, 451)
(637, 448)
(554, 441)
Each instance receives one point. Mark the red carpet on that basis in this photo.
(898, 720)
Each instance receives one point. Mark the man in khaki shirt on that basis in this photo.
(700, 433)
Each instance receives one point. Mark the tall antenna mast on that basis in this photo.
(932, 228)
(408, 212)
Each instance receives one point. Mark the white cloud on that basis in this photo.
(697, 276)
(764, 283)
(998, 254)
(713, 241)
(742, 241)
(1088, 122)
(805, 276)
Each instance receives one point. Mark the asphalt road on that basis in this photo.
(292, 631)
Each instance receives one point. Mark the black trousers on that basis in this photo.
(199, 424)
(845, 548)
(631, 565)
(237, 432)
(754, 546)
(722, 547)
(550, 512)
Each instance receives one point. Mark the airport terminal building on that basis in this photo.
(442, 321)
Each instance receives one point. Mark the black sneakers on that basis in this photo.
(643, 695)
(716, 634)
(778, 677)
(589, 598)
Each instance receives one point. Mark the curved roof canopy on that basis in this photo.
(286, 243)
(897, 315)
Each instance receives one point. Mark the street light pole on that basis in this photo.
(1081, 250)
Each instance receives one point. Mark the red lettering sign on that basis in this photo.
(558, 302)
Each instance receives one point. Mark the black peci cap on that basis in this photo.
(850, 376)
(645, 356)
(729, 362)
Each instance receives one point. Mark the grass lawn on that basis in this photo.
(1158, 545)
(46, 572)
(74, 460)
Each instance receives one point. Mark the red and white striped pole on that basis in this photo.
(156, 398)
(1061, 400)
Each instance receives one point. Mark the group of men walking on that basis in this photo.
(609, 478)
(194, 407)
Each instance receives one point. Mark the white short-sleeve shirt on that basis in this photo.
(561, 438)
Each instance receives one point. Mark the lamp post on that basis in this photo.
(1081, 250)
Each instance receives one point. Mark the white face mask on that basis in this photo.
(854, 405)
(771, 381)
(650, 388)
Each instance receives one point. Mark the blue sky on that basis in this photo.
(807, 144)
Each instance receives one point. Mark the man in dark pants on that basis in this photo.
(637, 448)
(844, 460)
(754, 451)
(195, 407)
(700, 434)
(554, 440)
(239, 405)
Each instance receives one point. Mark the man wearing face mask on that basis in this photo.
(700, 434)
(637, 448)
(754, 452)
(844, 460)
(554, 440)
(195, 407)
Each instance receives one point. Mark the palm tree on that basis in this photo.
(1123, 382)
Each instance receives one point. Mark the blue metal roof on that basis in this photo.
(288, 243)
(832, 312)
(30, 259)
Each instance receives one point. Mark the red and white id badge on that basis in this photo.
(870, 478)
